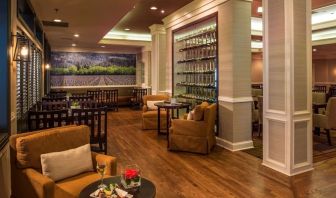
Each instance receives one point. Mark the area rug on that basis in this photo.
(257, 151)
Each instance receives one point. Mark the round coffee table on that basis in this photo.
(146, 190)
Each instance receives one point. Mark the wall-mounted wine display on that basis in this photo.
(195, 62)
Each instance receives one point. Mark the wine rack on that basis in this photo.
(195, 62)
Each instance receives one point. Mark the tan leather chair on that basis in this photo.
(26, 176)
(326, 121)
(194, 136)
(150, 117)
(319, 98)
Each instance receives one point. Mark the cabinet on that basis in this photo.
(195, 61)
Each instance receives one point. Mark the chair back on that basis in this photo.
(110, 98)
(319, 97)
(80, 98)
(210, 116)
(331, 112)
(38, 120)
(154, 98)
(96, 120)
(88, 104)
(57, 94)
(320, 88)
(97, 95)
(137, 96)
(53, 99)
(57, 105)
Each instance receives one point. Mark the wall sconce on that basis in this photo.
(22, 49)
(260, 10)
(47, 66)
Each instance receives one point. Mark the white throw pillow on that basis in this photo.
(190, 115)
(151, 106)
(65, 164)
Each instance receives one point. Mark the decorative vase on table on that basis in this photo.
(130, 177)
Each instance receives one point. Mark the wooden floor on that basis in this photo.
(219, 174)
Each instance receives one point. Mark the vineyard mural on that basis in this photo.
(75, 69)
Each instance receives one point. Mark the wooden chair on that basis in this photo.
(137, 97)
(53, 99)
(57, 94)
(57, 105)
(38, 120)
(87, 104)
(96, 119)
(96, 95)
(110, 99)
(320, 88)
(80, 98)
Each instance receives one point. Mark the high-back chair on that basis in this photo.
(326, 121)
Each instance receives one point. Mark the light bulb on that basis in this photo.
(24, 51)
(260, 10)
(47, 66)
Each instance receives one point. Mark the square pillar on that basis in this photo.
(287, 130)
(159, 54)
(234, 75)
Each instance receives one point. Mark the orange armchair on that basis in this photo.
(194, 136)
(149, 117)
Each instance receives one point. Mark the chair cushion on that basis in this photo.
(191, 115)
(64, 164)
(30, 148)
(153, 114)
(199, 111)
(74, 185)
(151, 104)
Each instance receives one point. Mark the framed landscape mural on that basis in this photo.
(86, 69)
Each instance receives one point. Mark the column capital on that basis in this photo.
(157, 29)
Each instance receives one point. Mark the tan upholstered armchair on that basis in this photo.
(25, 152)
(194, 136)
(326, 121)
(149, 116)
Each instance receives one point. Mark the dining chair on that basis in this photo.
(38, 120)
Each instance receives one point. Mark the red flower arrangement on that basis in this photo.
(131, 173)
(131, 177)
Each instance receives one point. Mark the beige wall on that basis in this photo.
(325, 71)
(257, 68)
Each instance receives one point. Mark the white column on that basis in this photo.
(287, 127)
(158, 65)
(234, 67)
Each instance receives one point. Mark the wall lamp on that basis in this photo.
(22, 49)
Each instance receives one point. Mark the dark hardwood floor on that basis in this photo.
(219, 174)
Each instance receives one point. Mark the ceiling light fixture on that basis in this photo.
(103, 46)
(260, 10)
(153, 8)
(73, 45)
(57, 20)
(127, 29)
(76, 35)
(162, 11)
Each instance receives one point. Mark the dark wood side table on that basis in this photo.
(169, 107)
(146, 190)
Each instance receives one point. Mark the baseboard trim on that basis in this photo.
(237, 146)
(235, 100)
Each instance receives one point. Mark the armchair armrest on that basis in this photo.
(189, 127)
(144, 108)
(43, 185)
(111, 162)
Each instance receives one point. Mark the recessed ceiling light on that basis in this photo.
(103, 46)
(127, 29)
(76, 35)
(162, 11)
(73, 45)
(260, 10)
(153, 8)
(57, 20)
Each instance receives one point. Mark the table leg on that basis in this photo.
(168, 118)
(187, 109)
(158, 121)
(177, 116)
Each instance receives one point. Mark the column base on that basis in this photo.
(234, 146)
(275, 166)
